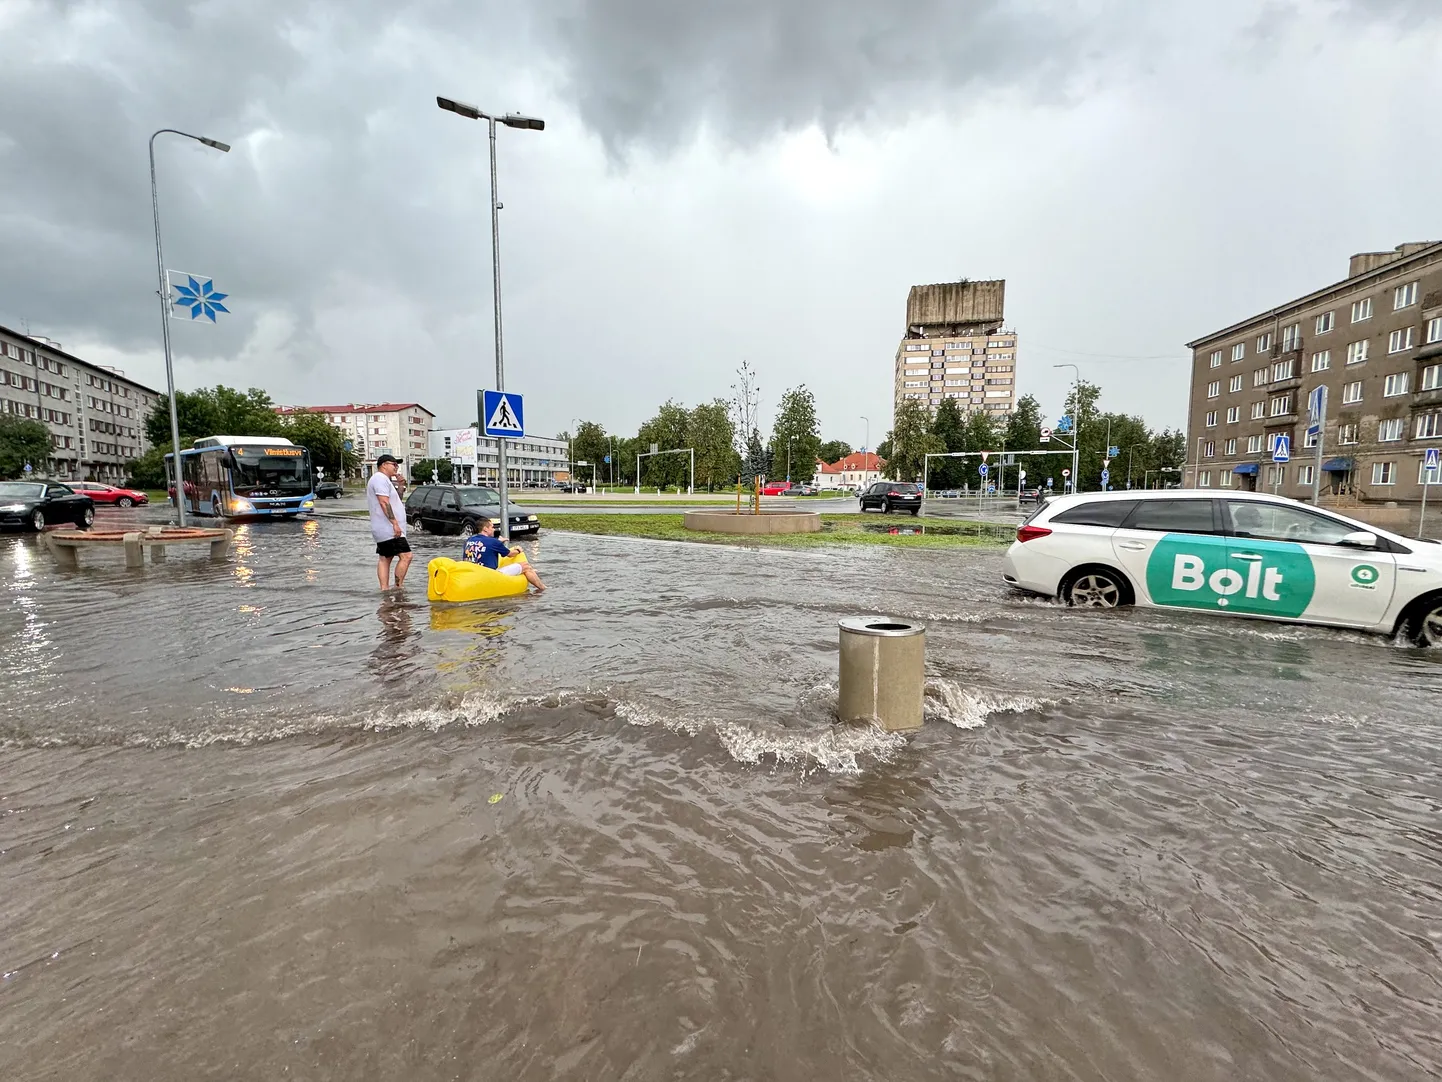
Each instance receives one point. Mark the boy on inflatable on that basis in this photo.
(486, 549)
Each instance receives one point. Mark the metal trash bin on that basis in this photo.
(883, 672)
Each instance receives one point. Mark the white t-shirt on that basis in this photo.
(380, 485)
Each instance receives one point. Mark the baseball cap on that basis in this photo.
(387, 458)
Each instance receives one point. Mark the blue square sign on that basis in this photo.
(502, 415)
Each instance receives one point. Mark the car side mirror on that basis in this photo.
(1362, 539)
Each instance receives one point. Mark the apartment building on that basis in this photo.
(534, 460)
(96, 414)
(1373, 339)
(957, 346)
(373, 429)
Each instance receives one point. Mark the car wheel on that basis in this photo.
(1095, 588)
(125, 501)
(86, 519)
(37, 520)
(215, 506)
(886, 507)
(916, 512)
(1425, 625)
(468, 527)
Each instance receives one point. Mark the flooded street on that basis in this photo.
(258, 823)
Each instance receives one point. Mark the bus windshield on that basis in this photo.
(261, 471)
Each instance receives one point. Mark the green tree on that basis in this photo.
(213, 411)
(833, 451)
(911, 440)
(147, 471)
(714, 438)
(949, 427)
(757, 462)
(424, 471)
(325, 442)
(796, 435)
(22, 440)
(445, 471)
(590, 444)
(1023, 433)
(667, 430)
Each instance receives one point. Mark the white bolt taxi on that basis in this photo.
(1237, 554)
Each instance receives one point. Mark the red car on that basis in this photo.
(776, 488)
(109, 494)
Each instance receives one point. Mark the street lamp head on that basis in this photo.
(515, 120)
(460, 108)
(222, 147)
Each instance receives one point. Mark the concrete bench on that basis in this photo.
(66, 545)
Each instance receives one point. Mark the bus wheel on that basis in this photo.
(215, 506)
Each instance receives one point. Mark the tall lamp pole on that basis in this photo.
(510, 120)
(165, 311)
(1075, 427)
(866, 448)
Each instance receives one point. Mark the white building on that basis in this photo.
(95, 414)
(533, 460)
(381, 428)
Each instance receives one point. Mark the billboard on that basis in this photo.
(463, 447)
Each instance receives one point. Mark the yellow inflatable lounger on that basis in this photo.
(461, 580)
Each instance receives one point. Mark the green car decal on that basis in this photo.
(1365, 576)
(1196, 572)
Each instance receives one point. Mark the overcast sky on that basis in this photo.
(716, 181)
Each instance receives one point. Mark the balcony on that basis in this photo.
(1280, 419)
(1289, 348)
(1287, 383)
(1426, 399)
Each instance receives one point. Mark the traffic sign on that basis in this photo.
(349, 446)
(1049, 482)
(983, 457)
(27, 468)
(608, 459)
(1021, 478)
(983, 468)
(1046, 435)
(1316, 410)
(1434, 459)
(1066, 473)
(1282, 448)
(1114, 452)
(1106, 476)
(502, 415)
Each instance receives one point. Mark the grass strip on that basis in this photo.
(841, 529)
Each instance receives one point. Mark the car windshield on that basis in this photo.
(20, 490)
(258, 471)
(479, 497)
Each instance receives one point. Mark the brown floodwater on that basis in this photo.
(258, 823)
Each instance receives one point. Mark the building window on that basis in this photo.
(1309, 439)
(1292, 336)
(1434, 330)
(1224, 478)
(1304, 474)
(1284, 369)
(1239, 351)
(1259, 410)
(1234, 414)
(1396, 384)
(1216, 360)
(1429, 426)
(1259, 378)
(1254, 444)
(913, 347)
(1357, 352)
(1235, 384)
(1384, 473)
(1212, 419)
(1205, 481)
(1404, 296)
(1210, 449)
(1426, 476)
(1352, 393)
(1361, 310)
(1231, 447)
(1390, 430)
(1322, 361)
(1347, 433)
(1399, 340)
(1264, 342)
(1214, 388)
(1324, 322)
(1432, 377)
(1276, 476)
(1281, 405)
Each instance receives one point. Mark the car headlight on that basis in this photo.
(13, 507)
(530, 518)
(308, 503)
(242, 505)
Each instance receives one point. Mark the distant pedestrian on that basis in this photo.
(388, 523)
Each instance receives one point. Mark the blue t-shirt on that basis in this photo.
(485, 551)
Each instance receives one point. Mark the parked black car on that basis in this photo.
(460, 509)
(889, 496)
(33, 505)
(329, 490)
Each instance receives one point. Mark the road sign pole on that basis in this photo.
(1422, 515)
(1431, 461)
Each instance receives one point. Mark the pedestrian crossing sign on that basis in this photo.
(502, 415)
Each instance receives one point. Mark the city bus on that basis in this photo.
(244, 477)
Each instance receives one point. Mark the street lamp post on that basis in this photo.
(788, 458)
(1075, 428)
(165, 310)
(510, 120)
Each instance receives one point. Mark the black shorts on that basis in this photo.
(394, 547)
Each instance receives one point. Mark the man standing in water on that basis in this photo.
(388, 522)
